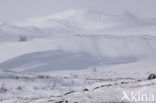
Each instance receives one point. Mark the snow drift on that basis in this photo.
(76, 52)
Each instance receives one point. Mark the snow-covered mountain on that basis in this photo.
(86, 20)
(78, 21)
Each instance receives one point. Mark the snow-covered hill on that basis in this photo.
(10, 32)
(76, 52)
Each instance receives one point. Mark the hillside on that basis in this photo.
(76, 52)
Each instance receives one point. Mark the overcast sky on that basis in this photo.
(17, 10)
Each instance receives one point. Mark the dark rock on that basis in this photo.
(66, 101)
(59, 102)
(85, 90)
(151, 76)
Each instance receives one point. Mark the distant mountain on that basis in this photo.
(85, 19)
(79, 21)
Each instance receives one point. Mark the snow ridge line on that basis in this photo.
(111, 36)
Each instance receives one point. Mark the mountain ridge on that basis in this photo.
(78, 21)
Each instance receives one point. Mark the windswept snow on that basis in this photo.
(75, 59)
(59, 60)
(76, 52)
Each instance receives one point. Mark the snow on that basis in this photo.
(85, 19)
(77, 21)
(76, 52)
(102, 85)
(77, 68)
(79, 55)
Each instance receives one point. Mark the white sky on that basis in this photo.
(16, 10)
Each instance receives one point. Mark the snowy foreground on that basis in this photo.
(78, 69)
(94, 85)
